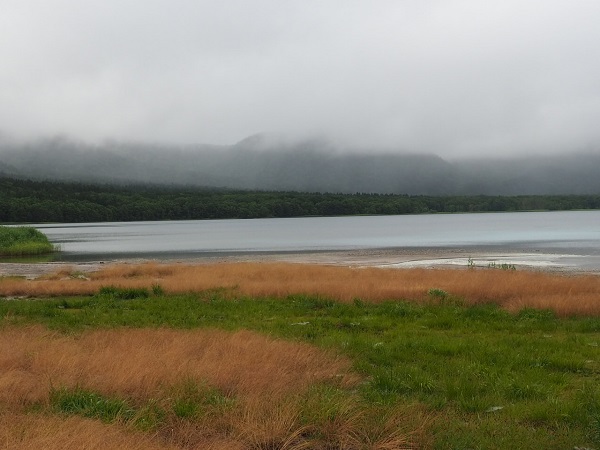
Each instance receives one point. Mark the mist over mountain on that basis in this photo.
(263, 162)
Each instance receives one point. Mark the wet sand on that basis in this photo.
(390, 258)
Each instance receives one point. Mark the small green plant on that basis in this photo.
(192, 399)
(123, 293)
(437, 293)
(595, 428)
(157, 289)
(538, 315)
(149, 417)
(503, 266)
(89, 404)
(77, 275)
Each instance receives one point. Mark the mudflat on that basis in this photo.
(393, 257)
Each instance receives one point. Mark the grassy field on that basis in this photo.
(270, 356)
(512, 290)
(23, 241)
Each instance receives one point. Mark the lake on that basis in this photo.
(572, 236)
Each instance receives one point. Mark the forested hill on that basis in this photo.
(260, 163)
(35, 202)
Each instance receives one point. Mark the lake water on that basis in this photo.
(574, 236)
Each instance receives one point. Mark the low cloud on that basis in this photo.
(452, 78)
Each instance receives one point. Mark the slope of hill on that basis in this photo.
(261, 163)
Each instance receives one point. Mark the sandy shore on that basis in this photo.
(392, 258)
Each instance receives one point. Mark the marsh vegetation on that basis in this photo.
(23, 241)
(265, 356)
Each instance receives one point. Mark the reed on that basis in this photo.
(565, 294)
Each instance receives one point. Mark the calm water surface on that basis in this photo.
(575, 233)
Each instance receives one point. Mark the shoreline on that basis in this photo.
(399, 258)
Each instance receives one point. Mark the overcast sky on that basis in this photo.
(451, 77)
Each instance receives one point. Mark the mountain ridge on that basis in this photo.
(263, 163)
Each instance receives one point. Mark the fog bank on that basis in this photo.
(263, 163)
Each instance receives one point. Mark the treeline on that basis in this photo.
(23, 201)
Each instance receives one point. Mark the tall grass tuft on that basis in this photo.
(23, 241)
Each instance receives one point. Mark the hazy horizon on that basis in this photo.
(267, 163)
(463, 78)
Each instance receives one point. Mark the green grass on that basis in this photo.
(23, 241)
(113, 292)
(490, 379)
(191, 400)
(93, 405)
(90, 404)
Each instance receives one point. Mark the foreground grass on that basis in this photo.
(186, 388)
(23, 241)
(446, 374)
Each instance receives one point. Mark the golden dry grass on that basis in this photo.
(565, 294)
(145, 363)
(20, 431)
(266, 379)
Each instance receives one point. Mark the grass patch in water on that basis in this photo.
(23, 241)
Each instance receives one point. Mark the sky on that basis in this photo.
(452, 77)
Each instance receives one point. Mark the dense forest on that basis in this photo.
(23, 201)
